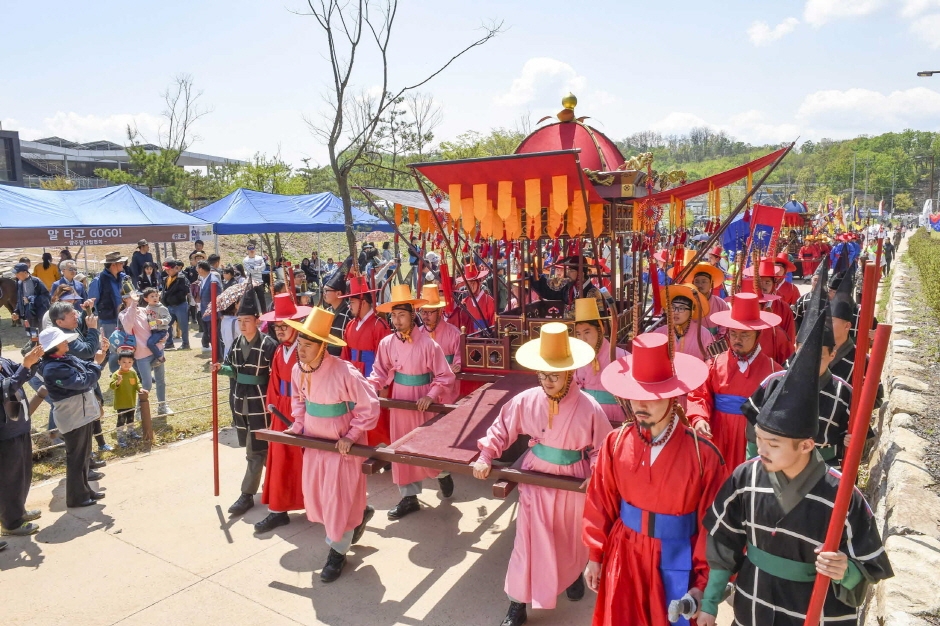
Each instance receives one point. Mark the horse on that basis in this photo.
(8, 294)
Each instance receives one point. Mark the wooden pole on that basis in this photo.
(146, 419)
(866, 316)
(850, 468)
(213, 334)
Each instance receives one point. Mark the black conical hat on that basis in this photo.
(843, 308)
(847, 285)
(818, 302)
(337, 282)
(249, 304)
(792, 409)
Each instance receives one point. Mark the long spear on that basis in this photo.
(853, 457)
(213, 335)
(865, 318)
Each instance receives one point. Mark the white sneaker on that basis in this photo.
(165, 410)
(206, 349)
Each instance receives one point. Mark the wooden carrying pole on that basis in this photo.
(213, 334)
(850, 464)
(870, 275)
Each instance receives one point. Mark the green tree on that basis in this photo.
(58, 183)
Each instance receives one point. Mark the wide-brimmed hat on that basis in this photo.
(700, 305)
(471, 272)
(745, 314)
(784, 259)
(317, 325)
(285, 309)
(554, 351)
(401, 294)
(358, 287)
(53, 336)
(432, 295)
(662, 256)
(648, 374)
(575, 260)
(715, 273)
(767, 268)
(747, 286)
(114, 257)
(585, 310)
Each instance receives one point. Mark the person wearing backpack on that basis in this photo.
(106, 290)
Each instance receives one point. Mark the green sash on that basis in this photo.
(412, 380)
(248, 379)
(336, 409)
(602, 396)
(558, 456)
(787, 569)
(450, 358)
(827, 453)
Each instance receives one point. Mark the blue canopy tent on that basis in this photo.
(88, 217)
(245, 212)
(794, 207)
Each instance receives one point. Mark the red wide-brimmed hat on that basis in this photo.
(784, 259)
(662, 256)
(285, 309)
(716, 251)
(767, 268)
(471, 272)
(648, 374)
(745, 314)
(747, 286)
(358, 286)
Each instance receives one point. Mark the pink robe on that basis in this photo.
(715, 304)
(333, 484)
(548, 554)
(689, 343)
(587, 378)
(418, 356)
(448, 338)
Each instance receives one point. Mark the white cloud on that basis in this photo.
(818, 12)
(926, 28)
(679, 122)
(542, 79)
(753, 124)
(913, 8)
(761, 34)
(866, 111)
(82, 128)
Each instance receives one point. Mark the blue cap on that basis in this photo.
(20, 267)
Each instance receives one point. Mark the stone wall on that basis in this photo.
(902, 491)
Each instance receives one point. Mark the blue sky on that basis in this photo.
(763, 71)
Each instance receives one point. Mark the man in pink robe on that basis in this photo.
(445, 335)
(689, 310)
(566, 428)
(330, 399)
(421, 373)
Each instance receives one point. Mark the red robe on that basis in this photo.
(681, 480)
(485, 314)
(365, 338)
(787, 321)
(809, 254)
(774, 343)
(725, 378)
(283, 486)
(789, 292)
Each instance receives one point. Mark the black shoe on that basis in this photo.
(361, 528)
(272, 521)
(516, 615)
(334, 566)
(575, 590)
(95, 475)
(3, 545)
(97, 495)
(447, 485)
(88, 502)
(97, 464)
(408, 504)
(243, 504)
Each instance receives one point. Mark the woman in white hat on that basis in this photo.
(566, 428)
(71, 384)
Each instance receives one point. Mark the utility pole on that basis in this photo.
(894, 175)
(934, 209)
(867, 171)
(852, 199)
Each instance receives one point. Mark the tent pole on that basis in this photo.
(85, 250)
(215, 239)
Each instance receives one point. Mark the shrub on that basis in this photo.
(925, 253)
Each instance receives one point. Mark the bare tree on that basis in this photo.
(354, 28)
(426, 114)
(182, 110)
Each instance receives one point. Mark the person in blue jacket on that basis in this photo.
(32, 300)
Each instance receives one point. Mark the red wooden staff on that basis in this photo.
(850, 464)
(213, 334)
(865, 318)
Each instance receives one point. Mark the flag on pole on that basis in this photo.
(881, 208)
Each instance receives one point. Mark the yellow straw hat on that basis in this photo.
(432, 294)
(554, 350)
(317, 326)
(401, 294)
(585, 310)
(716, 274)
(699, 302)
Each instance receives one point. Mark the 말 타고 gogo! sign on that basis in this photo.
(94, 235)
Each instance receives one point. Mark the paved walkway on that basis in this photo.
(162, 550)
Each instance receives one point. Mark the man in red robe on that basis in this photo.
(282, 490)
(809, 254)
(773, 341)
(362, 336)
(784, 288)
(714, 408)
(767, 271)
(479, 304)
(642, 526)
